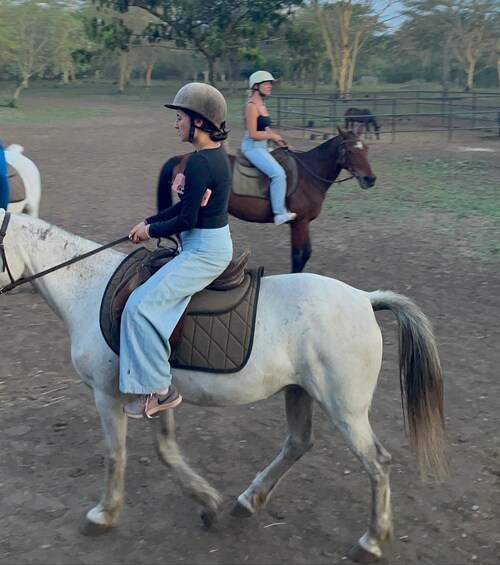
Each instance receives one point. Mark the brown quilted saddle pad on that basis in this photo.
(16, 184)
(215, 334)
(250, 181)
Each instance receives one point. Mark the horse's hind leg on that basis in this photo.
(299, 440)
(192, 484)
(114, 423)
(359, 436)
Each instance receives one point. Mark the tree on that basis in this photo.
(305, 52)
(345, 26)
(214, 28)
(457, 28)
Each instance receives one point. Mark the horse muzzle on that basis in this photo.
(366, 181)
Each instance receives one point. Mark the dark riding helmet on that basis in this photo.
(204, 100)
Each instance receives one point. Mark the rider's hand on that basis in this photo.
(139, 233)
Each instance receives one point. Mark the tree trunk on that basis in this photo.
(123, 55)
(18, 91)
(328, 42)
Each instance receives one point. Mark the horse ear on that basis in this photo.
(342, 132)
(360, 130)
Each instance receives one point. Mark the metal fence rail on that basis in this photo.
(319, 116)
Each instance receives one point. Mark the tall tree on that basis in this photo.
(214, 28)
(345, 26)
(460, 29)
(32, 24)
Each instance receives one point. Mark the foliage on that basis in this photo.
(213, 28)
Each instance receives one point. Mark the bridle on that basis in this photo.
(342, 154)
(5, 265)
(13, 284)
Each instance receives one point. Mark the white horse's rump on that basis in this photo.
(30, 176)
(316, 338)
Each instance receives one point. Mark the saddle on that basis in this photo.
(250, 181)
(215, 333)
(16, 184)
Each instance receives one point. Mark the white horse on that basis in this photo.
(30, 176)
(316, 339)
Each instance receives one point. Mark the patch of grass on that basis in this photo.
(453, 200)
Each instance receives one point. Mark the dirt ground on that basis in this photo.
(99, 179)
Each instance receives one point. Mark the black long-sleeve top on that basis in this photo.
(207, 168)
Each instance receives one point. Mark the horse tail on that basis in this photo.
(164, 186)
(421, 380)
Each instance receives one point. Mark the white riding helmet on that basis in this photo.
(259, 76)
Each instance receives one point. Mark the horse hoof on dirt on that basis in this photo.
(91, 529)
(208, 517)
(361, 555)
(240, 511)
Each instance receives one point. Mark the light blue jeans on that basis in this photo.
(257, 152)
(153, 309)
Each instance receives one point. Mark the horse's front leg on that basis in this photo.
(195, 486)
(103, 517)
(301, 245)
(299, 440)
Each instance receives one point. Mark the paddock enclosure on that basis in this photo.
(99, 178)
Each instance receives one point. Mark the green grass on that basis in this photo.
(456, 201)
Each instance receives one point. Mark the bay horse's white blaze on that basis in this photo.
(30, 176)
(316, 338)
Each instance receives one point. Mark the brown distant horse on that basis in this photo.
(318, 169)
(362, 116)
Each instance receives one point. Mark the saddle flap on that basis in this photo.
(16, 185)
(138, 267)
(248, 180)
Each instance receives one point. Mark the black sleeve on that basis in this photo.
(186, 211)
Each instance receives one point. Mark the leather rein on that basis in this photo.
(296, 154)
(13, 284)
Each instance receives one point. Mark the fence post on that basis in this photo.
(450, 119)
(393, 126)
(417, 102)
(474, 109)
(278, 119)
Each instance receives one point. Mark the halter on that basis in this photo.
(342, 153)
(13, 284)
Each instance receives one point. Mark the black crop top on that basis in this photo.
(208, 168)
(263, 122)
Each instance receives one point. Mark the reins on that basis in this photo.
(295, 155)
(13, 284)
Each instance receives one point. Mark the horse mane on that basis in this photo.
(326, 147)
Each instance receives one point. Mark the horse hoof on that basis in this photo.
(240, 511)
(359, 554)
(91, 529)
(208, 517)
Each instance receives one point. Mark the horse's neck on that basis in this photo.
(323, 160)
(77, 286)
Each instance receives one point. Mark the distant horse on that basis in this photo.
(316, 339)
(318, 169)
(24, 180)
(364, 117)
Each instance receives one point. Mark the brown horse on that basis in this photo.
(318, 169)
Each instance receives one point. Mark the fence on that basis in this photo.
(404, 113)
